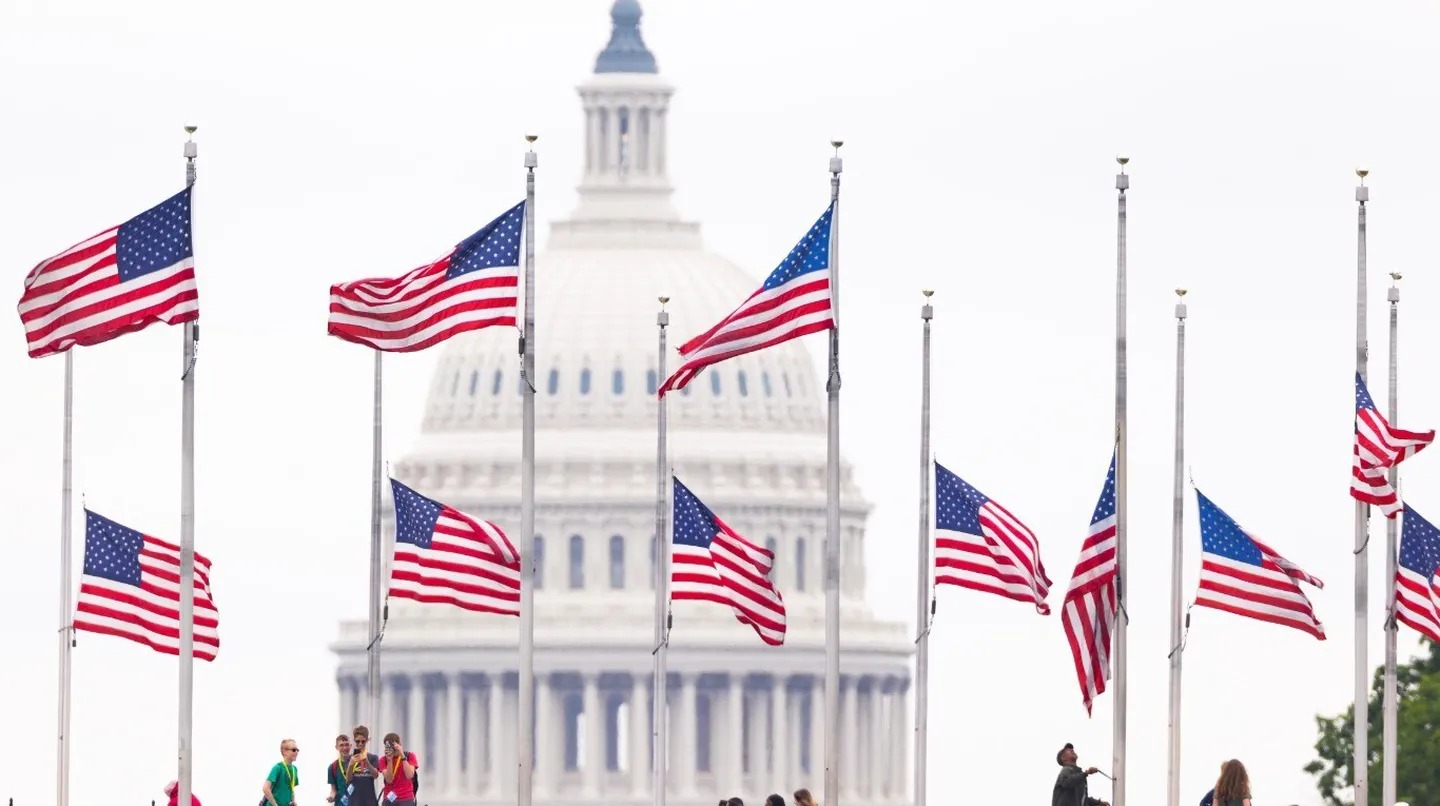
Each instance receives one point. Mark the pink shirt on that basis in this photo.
(403, 787)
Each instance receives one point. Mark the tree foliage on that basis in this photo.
(1417, 738)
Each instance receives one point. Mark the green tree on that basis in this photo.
(1417, 737)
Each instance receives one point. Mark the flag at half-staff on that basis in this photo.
(1090, 605)
(471, 287)
(130, 588)
(981, 546)
(1378, 447)
(1241, 575)
(794, 300)
(115, 282)
(710, 562)
(443, 556)
(1417, 578)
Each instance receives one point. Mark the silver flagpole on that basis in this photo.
(525, 732)
(832, 506)
(187, 519)
(67, 634)
(660, 728)
(1388, 738)
(1360, 761)
(1177, 553)
(372, 652)
(923, 599)
(1122, 183)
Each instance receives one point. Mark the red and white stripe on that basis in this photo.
(733, 572)
(1417, 602)
(150, 614)
(1005, 561)
(1379, 446)
(470, 564)
(77, 298)
(1267, 592)
(422, 308)
(769, 317)
(1090, 609)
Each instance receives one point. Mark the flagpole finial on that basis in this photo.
(1362, 172)
(1123, 160)
(1180, 309)
(1122, 181)
(530, 155)
(190, 130)
(1362, 193)
(663, 318)
(1395, 276)
(927, 312)
(836, 164)
(1393, 293)
(928, 293)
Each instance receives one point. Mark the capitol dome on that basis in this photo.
(748, 436)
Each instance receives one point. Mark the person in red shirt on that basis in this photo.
(172, 791)
(400, 769)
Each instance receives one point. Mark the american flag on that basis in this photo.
(472, 287)
(131, 588)
(981, 546)
(793, 301)
(1378, 446)
(1090, 603)
(1417, 579)
(1241, 575)
(711, 563)
(122, 280)
(443, 556)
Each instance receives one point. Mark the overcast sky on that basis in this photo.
(343, 140)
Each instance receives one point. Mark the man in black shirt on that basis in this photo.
(364, 769)
(1070, 786)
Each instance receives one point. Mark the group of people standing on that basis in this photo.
(357, 777)
(802, 798)
(1232, 788)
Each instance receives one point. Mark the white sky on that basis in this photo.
(340, 140)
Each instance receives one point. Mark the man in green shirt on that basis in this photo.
(279, 786)
(1070, 787)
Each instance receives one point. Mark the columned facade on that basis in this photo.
(763, 745)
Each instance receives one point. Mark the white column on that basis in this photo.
(494, 721)
(816, 747)
(900, 782)
(549, 734)
(849, 736)
(659, 129)
(639, 736)
(876, 741)
(779, 734)
(686, 745)
(734, 778)
(755, 700)
(474, 735)
(454, 716)
(389, 712)
(414, 737)
(593, 764)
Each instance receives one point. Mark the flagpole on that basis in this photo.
(187, 519)
(1360, 761)
(832, 505)
(1177, 553)
(372, 650)
(525, 733)
(923, 598)
(659, 717)
(67, 634)
(1122, 183)
(1391, 705)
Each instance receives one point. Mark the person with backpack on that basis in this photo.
(401, 771)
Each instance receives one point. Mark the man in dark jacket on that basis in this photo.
(1070, 787)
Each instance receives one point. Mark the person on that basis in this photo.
(1209, 799)
(804, 798)
(172, 791)
(731, 802)
(279, 786)
(399, 768)
(1070, 786)
(1233, 786)
(774, 800)
(337, 775)
(364, 769)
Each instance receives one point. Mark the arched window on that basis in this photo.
(495, 384)
(744, 387)
(617, 382)
(800, 564)
(584, 381)
(651, 382)
(715, 383)
(474, 382)
(765, 383)
(577, 562)
(539, 562)
(553, 384)
(617, 562)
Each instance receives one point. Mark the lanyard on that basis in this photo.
(342, 767)
(289, 773)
